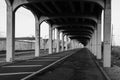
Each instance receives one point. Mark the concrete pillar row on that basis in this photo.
(58, 40)
(91, 45)
(50, 40)
(99, 55)
(75, 44)
(94, 43)
(107, 37)
(53, 39)
(37, 37)
(66, 48)
(78, 44)
(72, 44)
(10, 40)
(88, 45)
(63, 42)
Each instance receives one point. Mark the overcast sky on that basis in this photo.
(25, 22)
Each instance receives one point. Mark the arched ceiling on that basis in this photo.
(76, 18)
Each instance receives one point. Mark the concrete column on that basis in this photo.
(62, 42)
(10, 40)
(58, 40)
(71, 41)
(92, 47)
(53, 39)
(67, 42)
(37, 37)
(91, 44)
(94, 44)
(70, 44)
(50, 40)
(73, 45)
(76, 44)
(55, 48)
(88, 45)
(107, 37)
(99, 40)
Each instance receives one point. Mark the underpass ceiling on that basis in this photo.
(70, 15)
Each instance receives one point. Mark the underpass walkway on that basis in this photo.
(20, 69)
(78, 66)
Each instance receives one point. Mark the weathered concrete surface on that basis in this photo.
(80, 66)
(28, 45)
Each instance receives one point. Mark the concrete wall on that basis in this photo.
(2, 45)
(24, 45)
(19, 45)
(27, 44)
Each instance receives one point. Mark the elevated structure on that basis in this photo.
(80, 20)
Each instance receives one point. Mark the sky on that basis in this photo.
(25, 22)
(24, 25)
(116, 21)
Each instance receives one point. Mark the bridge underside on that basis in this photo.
(79, 20)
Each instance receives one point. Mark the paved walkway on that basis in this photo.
(78, 67)
(21, 56)
(21, 69)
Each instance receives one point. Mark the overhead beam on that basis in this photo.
(92, 8)
(72, 23)
(83, 33)
(75, 16)
(80, 37)
(72, 6)
(79, 30)
(79, 34)
(63, 20)
(90, 26)
(75, 30)
(100, 2)
(60, 20)
(43, 18)
(48, 8)
(42, 11)
(17, 3)
(82, 7)
(56, 6)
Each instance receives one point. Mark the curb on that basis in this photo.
(101, 69)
